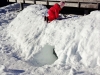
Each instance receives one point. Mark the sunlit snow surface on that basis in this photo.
(75, 41)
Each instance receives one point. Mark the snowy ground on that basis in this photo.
(27, 43)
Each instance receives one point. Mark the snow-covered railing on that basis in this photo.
(69, 3)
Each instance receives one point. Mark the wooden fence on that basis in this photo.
(85, 5)
(69, 3)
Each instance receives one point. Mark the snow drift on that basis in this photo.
(76, 40)
(10, 7)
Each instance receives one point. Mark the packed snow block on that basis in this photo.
(75, 40)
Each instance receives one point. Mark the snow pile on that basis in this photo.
(2, 70)
(10, 7)
(32, 37)
(75, 41)
(7, 14)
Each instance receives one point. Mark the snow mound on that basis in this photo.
(2, 70)
(75, 41)
(10, 7)
(32, 23)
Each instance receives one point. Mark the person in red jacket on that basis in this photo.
(53, 12)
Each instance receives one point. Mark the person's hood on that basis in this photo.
(62, 3)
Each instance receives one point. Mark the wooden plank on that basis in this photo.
(88, 1)
(41, 2)
(20, 1)
(29, 1)
(12, 1)
(54, 0)
(98, 1)
(83, 5)
(72, 0)
(66, 4)
(52, 3)
(72, 4)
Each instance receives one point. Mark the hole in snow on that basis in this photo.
(46, 56)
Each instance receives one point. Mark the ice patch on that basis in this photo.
(45, 57)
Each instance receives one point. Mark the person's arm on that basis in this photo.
(56, 14)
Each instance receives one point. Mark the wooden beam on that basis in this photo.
(88, 1)
(34, 1)
(7, 0)
(69, 3)
(23, 1)
(52, 3)
(16, 1)
(21, 6)
(29, 1)
(41, 2)
(98, 1)
(85, 5)
(47, 2)
(72, 5)
(72, 0)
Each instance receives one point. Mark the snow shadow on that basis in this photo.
(67, 17)
(14, 71)
(81, 72)
(16, 56)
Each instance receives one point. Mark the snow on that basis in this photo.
(27, 43)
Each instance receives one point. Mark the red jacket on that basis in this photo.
(53, 12)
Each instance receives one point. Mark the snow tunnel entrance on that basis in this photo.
(46, 56)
